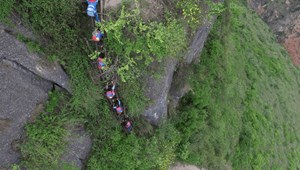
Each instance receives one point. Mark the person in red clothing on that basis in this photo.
(101, 62)
(127, 125)
(97, 35)
(117, 105)
(110, 93)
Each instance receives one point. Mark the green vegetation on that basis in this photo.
(32, 46)
(60, 32)
(113, 149)
(44, 138)
(138, 43)
(191, 11)
(242, 111)
(6, 8)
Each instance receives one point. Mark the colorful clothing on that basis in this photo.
(97, 35)
(110, 94)
(92, 9)
(101, 63)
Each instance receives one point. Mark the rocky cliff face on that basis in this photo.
(283, 17)
(171, 87)
(25, 80)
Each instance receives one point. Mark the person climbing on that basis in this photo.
(127, 124)
(92, 9)
(97, 35)
(110, 93)
(101, 62)
(117, 105)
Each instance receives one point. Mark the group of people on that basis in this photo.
(110, 89)
(117, 106)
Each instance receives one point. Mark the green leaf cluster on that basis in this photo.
(44, 143)
(191, 11)
(138, 43)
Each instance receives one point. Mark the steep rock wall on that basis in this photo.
(25, 80)
(170, 87)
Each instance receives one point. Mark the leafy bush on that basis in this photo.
(138, 43)
(132, 152)
(43, 136)
(191, 11)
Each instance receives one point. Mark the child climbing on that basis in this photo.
(101, 62)
(110, 90)
(117, 105)
(97, 35)
(92, 9)
(127, 125)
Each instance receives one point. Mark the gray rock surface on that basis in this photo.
(158, 90)
(15, 51)
(20, 93)
(198, 41)
(25, 80)
(79, 145)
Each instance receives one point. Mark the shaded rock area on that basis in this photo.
(283, 17)
(15, 51)
(79, 145)
(25, 80)
(180, 86)
(158, 89)
(198, 41)
(20, 93)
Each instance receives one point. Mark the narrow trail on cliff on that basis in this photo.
(109, 76)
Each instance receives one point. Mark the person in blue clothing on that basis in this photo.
(92, 9)
(97, 35)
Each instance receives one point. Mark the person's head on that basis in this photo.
(102, 55)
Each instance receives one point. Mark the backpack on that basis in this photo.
(91, 10)
(119, 109)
